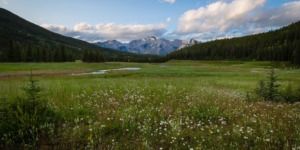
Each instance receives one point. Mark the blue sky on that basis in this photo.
(125, 20)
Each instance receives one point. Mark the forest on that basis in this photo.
(278, 45)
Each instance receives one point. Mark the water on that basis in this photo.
(105, 71)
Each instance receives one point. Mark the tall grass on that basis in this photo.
(176, 105)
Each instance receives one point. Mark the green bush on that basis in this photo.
(290, 95)
(261, 90)
(270, 91)
(27, 120)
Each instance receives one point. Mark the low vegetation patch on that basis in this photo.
(270, 91)
(27, 121)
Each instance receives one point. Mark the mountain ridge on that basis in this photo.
(149, 45)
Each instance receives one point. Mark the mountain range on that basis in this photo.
(150, 45)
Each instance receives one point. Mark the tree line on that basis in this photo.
(279, 45)
(92, 56)
(15, 52)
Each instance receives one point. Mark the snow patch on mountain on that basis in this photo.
(148, 45)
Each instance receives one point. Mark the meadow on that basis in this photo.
(172, 105)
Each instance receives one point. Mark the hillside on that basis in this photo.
(25, 35)
(279, 45)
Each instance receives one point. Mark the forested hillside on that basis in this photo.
(22, 41)
(278, 45)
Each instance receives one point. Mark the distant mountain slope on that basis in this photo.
(13, 27)
(279, 45)
(149, 45)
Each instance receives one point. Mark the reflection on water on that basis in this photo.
(105, 71)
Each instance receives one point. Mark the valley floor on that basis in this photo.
(178, 104)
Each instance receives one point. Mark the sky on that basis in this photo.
(126, 20)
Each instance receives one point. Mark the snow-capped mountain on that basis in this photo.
(149, 45)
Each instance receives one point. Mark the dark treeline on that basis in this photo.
(96, 56)
(279, 45)
(138, 58)
(92, 56)
(42, 52)
(15, 52)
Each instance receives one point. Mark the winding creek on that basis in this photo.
(107, 70)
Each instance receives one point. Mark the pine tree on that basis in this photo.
(91, 57)
(296, 54)
(29, 54)
(261, 89)
(98, 57)
(272, 91)
(85, 55)
(17, 54)
(57, 55)
(63, 54)
(10, 53)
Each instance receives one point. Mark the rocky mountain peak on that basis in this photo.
(148, 45)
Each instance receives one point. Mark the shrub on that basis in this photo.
(261, 90)
(269, 91)
(26, 119)
(290, 95)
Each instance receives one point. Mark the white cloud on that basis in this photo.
(236, 18)
(56, 28)
(217, 16)
(169, 19)
(276, 17)
(169, 1)
(108, 31)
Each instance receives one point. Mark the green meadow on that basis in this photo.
(172, 105)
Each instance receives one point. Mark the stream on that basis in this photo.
(107, 70)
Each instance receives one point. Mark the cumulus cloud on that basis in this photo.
(56, 28)
(219, 15)
(101, 32)
(169, 1)
(276, 17)
(236, 18)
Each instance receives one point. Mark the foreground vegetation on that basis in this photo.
(178, 104)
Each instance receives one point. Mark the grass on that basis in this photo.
(178, 105)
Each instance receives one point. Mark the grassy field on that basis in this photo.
(178, 105)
